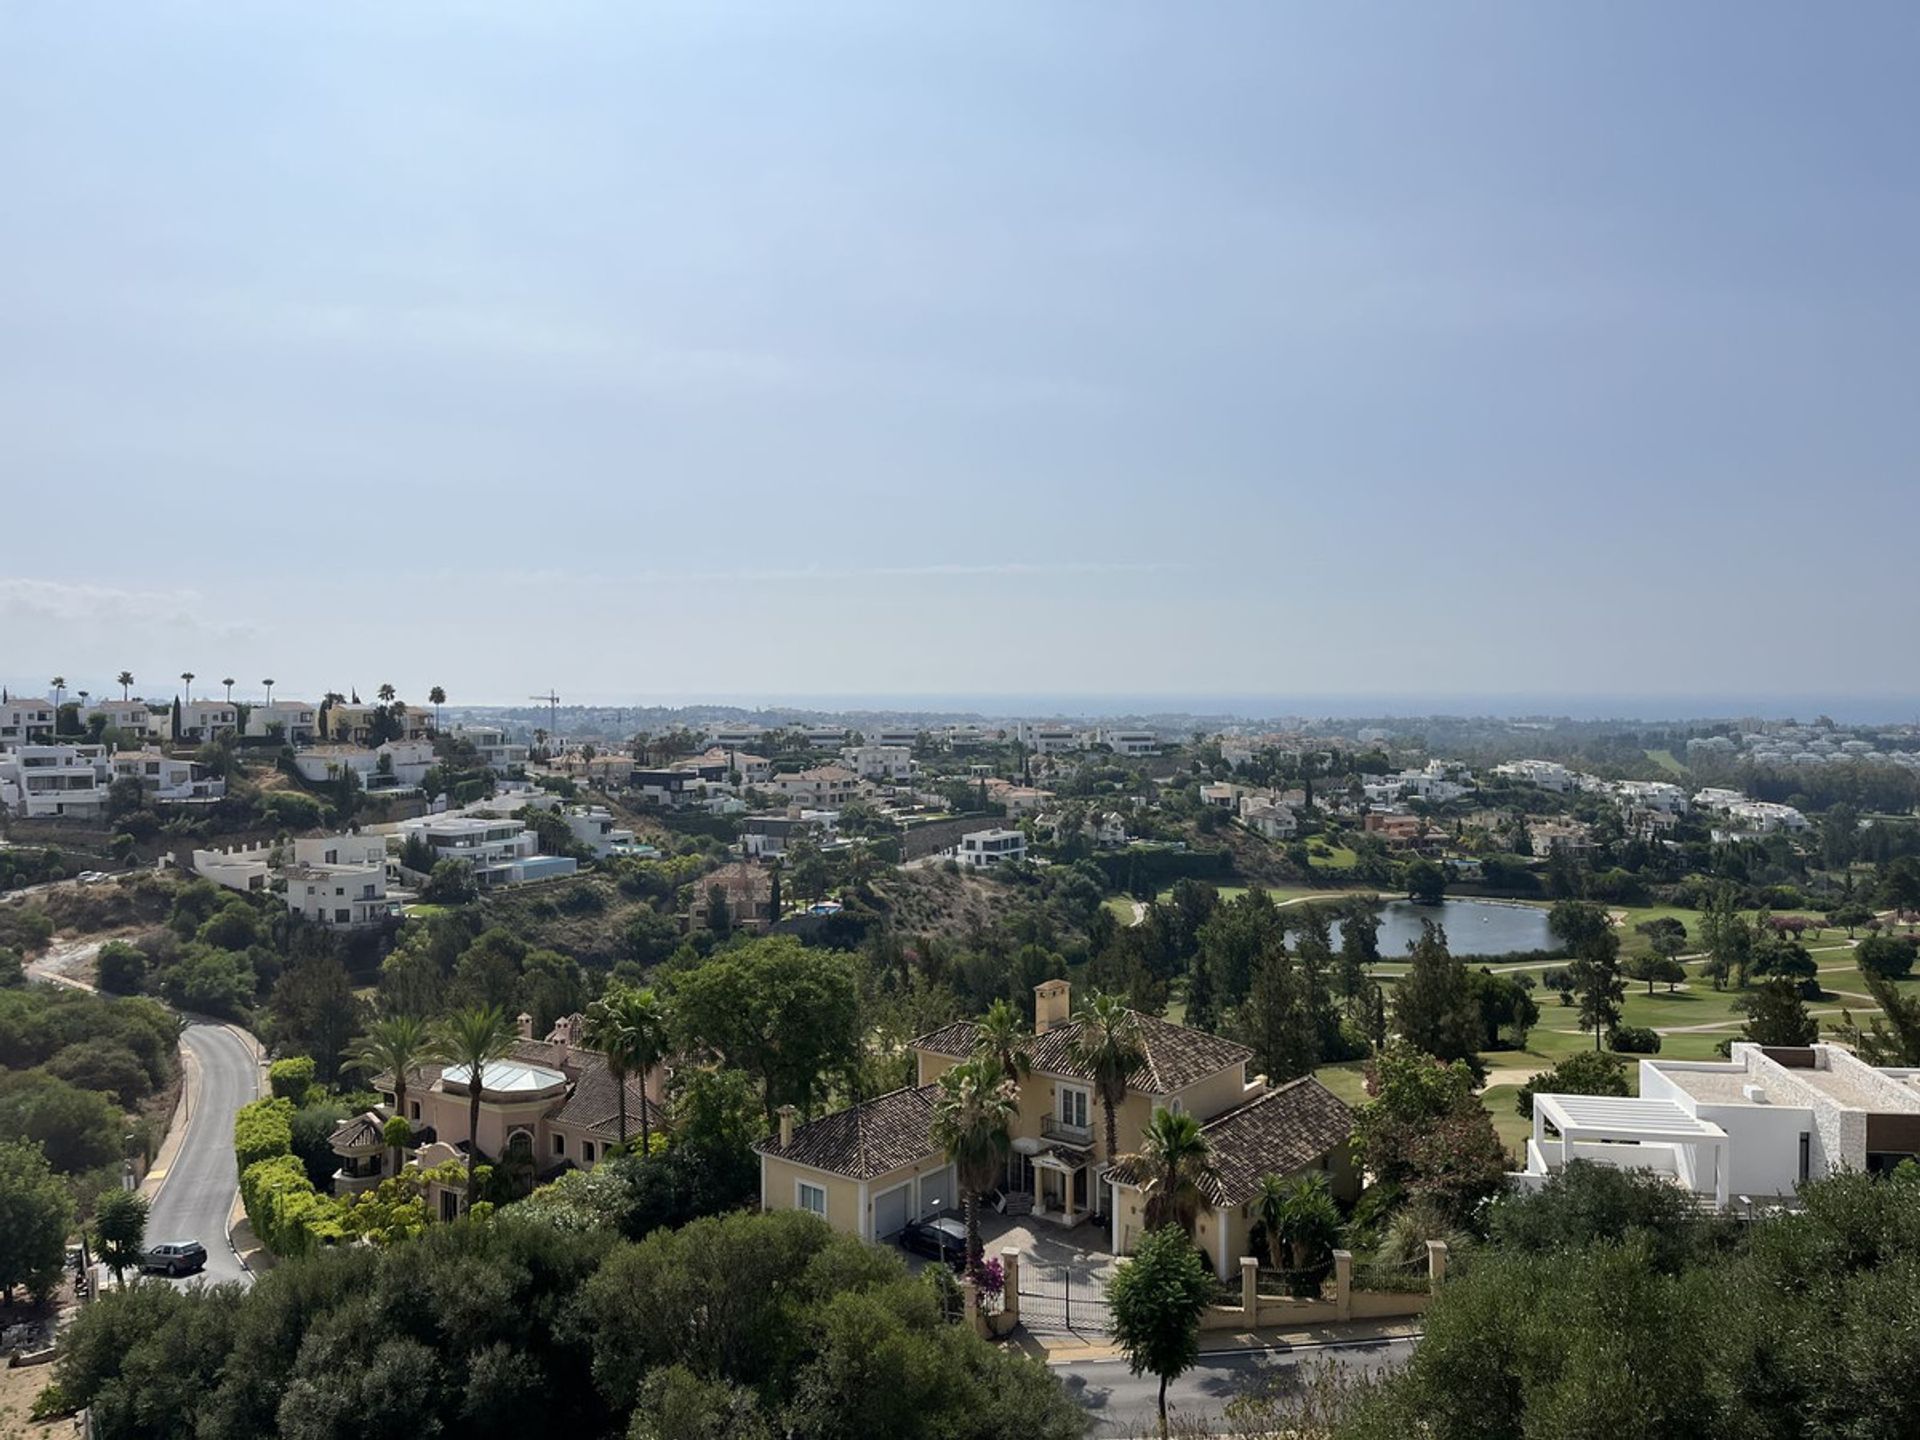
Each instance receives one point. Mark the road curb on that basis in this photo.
(176, 1137)
(1277, 1345)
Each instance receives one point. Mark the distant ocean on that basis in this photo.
(1883, 709)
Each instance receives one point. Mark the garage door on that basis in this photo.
(936, 1192)
(890, 1211)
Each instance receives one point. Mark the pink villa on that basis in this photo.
(551, 1105)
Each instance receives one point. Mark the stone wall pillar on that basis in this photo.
(1436, 1263)
(1250, 1288)
(1343, 1284)
(970, 1302)
(1010, 1284)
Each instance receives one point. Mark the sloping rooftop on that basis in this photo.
(365, 1131)
(863, 1140)
(1278, 1133)
(1176, 1056)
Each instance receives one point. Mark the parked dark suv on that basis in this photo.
(175, 1257)
(938, 1237)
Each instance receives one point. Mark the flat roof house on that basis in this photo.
(46, 782)
(203, 720)
(166, 779)
(1753, 1126)
(982, 848)
(130, 717)
(501, 852)
(295, 721)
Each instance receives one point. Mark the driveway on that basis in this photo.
(198, 1189)
(1119, 1402)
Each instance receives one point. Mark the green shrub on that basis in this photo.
(292, 1078)
(1633, 1040)
(288, 1215)
(262, 1131)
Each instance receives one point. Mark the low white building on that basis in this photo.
(906, 738)
(296, 722)
(1755, 1126)
(1045, 739)
(167, 780)
(1542, 774)
(48, 782)
(983, 848)
(890, 764)
(736, 736)
(823, 737)
(393, 765)
(1653, 795)
(1124, 741)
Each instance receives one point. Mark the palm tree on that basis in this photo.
(387, 692)
(59, 684)
(474, 1039)
(973, 1118)
(125, 681)
(1109, 1048)
(628, 1026)
(1173, 1161)
(397, 1045)
(436, 697)
(269, 685)
(228, 682)
(187, 677)
(1302, 1225)
(1003, 1035)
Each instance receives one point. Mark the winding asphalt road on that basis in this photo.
(198, 1189)
(1124, 1404)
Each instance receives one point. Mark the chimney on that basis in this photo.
(1052, 1004)
(524, 1024)
(786, 1113)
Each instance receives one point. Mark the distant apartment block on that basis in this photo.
(888, 764)
(1542, 774)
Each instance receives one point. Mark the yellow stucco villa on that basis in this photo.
(870, 1169)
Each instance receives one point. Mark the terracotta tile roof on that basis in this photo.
(595, 1102)
(1176, 1055)
(1278, 1133)
(864, 1140)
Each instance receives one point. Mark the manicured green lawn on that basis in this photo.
(1666, 760)
(1513, 1129)
(1338, 858)
(1347, 1080)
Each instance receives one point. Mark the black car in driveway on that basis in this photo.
(175, 1257)
(938, 1237)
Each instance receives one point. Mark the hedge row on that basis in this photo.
(261, 1131)
(287, 1214)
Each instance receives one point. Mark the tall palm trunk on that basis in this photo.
(646, 1129)
(620, 1085)
(473, 1135)
(1113, 1147)
(971, 1202)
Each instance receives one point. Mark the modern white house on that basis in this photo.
(736, 737)
(203, 720)
(983, 848)
(501, 852)
(1542, 774)
(1044, 739)
(1751, 1127)
(1653, 795)
(347, 895)
(1123, 741)
(22, 721)
(498, 753)
(295, 721)
(166, 779)
(594, 827)
(45, 782)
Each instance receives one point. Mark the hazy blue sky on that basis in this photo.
(680, 349)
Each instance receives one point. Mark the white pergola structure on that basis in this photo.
(1629, 1134)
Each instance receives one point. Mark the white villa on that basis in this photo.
(295, 721)
(393, 765)
(166, 779)
(25, 720)
(490, 743)
(129, 717)
(1748, 1128)
(39, 782)
(339, 881)
(890, 763)
(982, 848)
(501, 852)
(203, 720)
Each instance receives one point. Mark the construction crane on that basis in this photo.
(552, 702)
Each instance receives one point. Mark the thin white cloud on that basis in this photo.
(820, 574)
